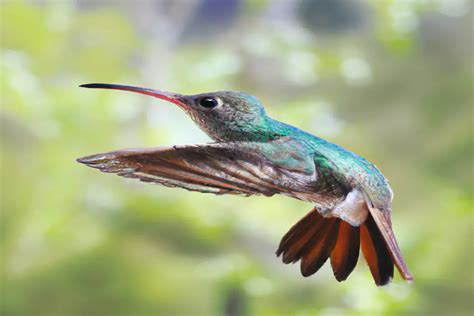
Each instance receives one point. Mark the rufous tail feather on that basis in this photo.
(315, 238)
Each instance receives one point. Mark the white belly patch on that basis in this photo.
(352, 210)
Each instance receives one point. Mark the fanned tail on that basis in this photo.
(314, 239)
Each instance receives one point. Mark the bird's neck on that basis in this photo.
(261, 129)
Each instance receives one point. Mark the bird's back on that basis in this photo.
(348, 168)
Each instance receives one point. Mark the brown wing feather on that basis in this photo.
(280, 166)
(152, 168)
(194, 167)
(234, 167)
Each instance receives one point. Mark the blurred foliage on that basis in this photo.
(392, 81)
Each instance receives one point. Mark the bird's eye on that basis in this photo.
(209, 102)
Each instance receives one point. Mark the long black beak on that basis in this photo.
(168, 96)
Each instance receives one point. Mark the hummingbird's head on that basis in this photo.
(228, 115)
(223, 115)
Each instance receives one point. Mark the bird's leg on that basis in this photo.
(352, 210)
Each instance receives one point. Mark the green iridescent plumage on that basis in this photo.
(253, 124)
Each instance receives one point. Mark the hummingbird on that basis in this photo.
(253, 154)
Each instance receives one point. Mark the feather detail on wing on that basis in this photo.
(233, 168)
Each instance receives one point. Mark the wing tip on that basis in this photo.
(104, 162)
(92, 159)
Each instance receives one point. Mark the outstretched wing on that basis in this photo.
(234, 168)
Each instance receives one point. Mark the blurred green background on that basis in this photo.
(390, 80)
